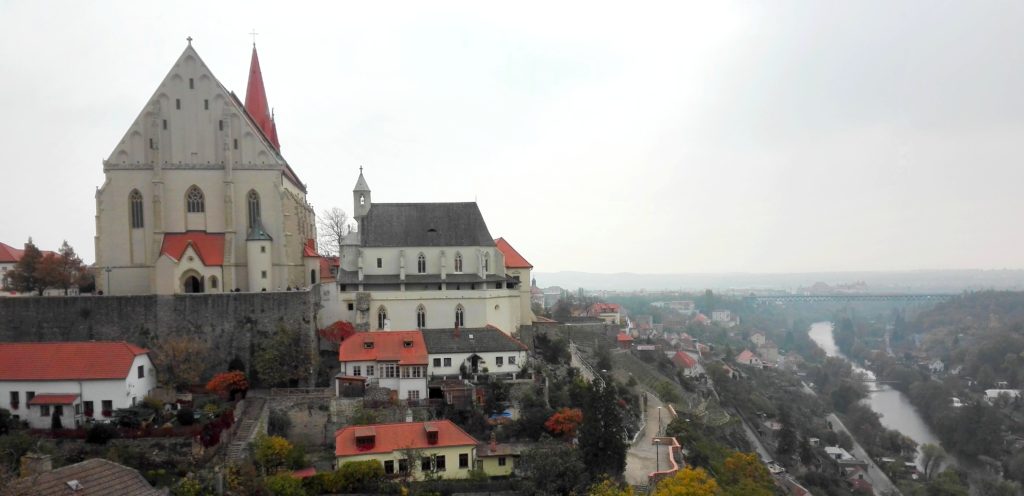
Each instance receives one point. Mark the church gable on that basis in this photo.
(192, 121)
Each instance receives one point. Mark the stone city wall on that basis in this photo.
(231, 323)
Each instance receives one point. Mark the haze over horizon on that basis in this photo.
(661, 138)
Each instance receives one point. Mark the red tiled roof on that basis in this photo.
(599, 308)
(10, 254)
(513, 260)
(745, 357)
(684, 360)
(53, 399)
(209, 246)
(65, 361)
(623, 337)
(256, 101)
(399, 436)
(325, 268)
(388, 346)
(309, 249)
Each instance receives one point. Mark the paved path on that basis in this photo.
(754, 440)
(642, 458)
(879, 480)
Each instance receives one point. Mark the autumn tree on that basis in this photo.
(181, 360)
(743, 474)
(272, 453)
(609, 487)
(228, 382)
(564, 422)
(281, 358)
(23, 277)
(332, 226)
(688, 482)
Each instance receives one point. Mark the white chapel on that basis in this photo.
(197, 197)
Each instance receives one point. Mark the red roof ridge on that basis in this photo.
(513, 260)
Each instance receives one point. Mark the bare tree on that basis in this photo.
(332, 226)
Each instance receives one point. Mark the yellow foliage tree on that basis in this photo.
(272, 452)
(608, 487)
(688, 482)
(744, 474)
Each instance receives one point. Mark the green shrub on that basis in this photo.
(186, 416)
(284, 485)
(100, 433)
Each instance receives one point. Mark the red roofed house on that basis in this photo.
(624, 340)
(519, 269)
(396, 360)
(9, 257)
(611, 313)
(77, 380)
(440, 448)
(748, 358)
(197, 196)
(685, 362)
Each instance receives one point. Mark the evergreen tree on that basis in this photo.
(601, 435)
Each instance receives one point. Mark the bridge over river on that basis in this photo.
(850, 298)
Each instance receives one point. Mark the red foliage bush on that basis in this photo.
(564, 422)
(226, 382)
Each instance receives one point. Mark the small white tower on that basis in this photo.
(258, 245)
(360, 200)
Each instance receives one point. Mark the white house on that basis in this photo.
(936, 366)
(724, 318)
(79, 381)
(484, 350)
(396, 360)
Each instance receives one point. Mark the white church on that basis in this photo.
(197, 197)
(427, 266)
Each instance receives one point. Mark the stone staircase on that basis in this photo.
(248, 428)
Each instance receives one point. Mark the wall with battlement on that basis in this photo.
(231, 323)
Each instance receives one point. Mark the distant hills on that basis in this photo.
(920, 281)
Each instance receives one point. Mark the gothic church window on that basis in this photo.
(421, 317)
(135, 199)
(421, 264)
(254, 207)
(382, 317)
(195, 200)
(460, 316)
(458, 262)
(487, 262)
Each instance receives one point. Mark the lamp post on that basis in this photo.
(108, 270)
(657, 455)
(659, 421)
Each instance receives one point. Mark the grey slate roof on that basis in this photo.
(425, 224)
(483, 339)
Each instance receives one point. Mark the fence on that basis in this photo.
(301, 392)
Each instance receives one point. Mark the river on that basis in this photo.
(892, 406)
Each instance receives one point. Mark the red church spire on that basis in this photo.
(256, 101)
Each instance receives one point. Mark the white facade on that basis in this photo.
(496, 362)
(404, 379)
(121, 393)
(193, 135)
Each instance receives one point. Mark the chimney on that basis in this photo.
(35, 463)
(494, 442)
(408, 415)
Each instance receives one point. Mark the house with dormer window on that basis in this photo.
(395, 360)
(410, 449)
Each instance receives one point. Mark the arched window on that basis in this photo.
(460, 316)
(382, 318)
(254, 207)
(421, 317)
(487, 262)
(213, 282)
(421, 264)
(458, 262)
(195, 201)
(362, 200)
(135, 201)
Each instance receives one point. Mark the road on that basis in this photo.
(754, 440)
(642, 459)
(879, 480)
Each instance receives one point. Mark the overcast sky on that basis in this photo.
(711, 137)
